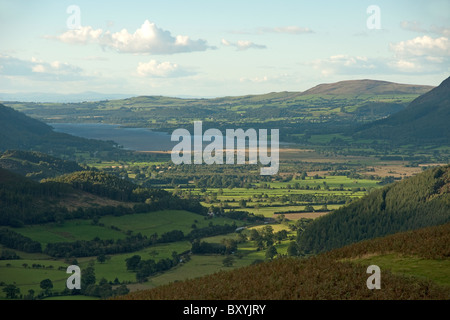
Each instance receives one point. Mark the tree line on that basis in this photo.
(132, 243)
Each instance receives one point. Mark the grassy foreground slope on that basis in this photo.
(331, 275)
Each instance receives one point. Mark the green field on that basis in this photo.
(26, 275)
(69, 231)
(28, 278)
(435, 270)
(161, 221)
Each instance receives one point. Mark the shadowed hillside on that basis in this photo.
(20, 132)
(425, 119)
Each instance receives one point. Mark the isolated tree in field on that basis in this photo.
(87, 277)
(271, 252)
(101, 258)
(254, 235)
(133, 262)
(12, 292)
(228, 261)
(30, 295)
(46, 285)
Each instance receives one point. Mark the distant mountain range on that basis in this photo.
(325, 109)
(348, 87)
(61, 98)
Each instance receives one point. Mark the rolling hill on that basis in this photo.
(366, 86)
(425, 119)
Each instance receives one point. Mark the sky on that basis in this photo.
(212, 48)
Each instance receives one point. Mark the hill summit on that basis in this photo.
(366, 86)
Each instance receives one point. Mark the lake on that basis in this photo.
(139, 139)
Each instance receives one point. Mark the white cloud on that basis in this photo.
(148, 39)
(421, 55)
(39, 68)
(346, 64)
(243, 45)
(422, 46)
(82, 35)
(165, 69)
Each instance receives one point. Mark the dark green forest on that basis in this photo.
(24, 201)
(416, 202)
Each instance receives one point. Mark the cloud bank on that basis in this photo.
(148, 39)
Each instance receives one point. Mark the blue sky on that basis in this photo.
(218, 48)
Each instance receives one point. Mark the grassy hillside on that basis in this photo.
(333, 275)
(413, 203)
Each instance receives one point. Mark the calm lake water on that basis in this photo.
(139, 139)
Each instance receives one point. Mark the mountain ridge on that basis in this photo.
(366, 86)
(371, 86)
